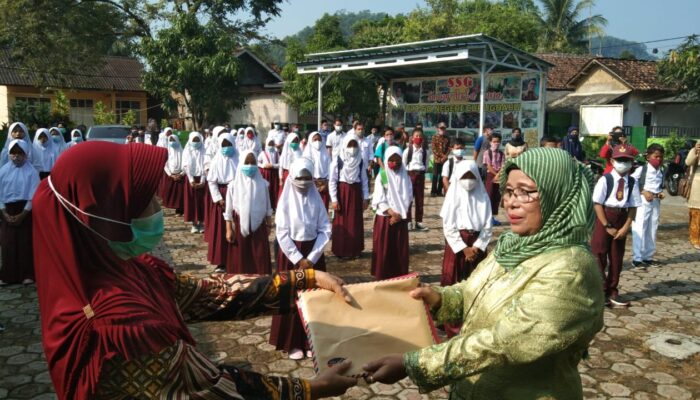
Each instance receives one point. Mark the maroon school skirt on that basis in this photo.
(16, 247)
(250, 254)
(161, 185)
(194, 201)
(287, 332)
(216, 230)
(173, 193)
(273, 179)
(493, 189)
(390, 248)
(454, 266)
(348, 233)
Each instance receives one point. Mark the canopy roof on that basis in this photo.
(446, 56)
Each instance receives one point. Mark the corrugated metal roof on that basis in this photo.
(116, 73)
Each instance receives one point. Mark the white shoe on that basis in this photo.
(27, 282)
(3, 283)
(420, 227)
(194, 230)
(296, 354)
(309, 354)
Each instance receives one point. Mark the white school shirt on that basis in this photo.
(612, 202)
(268, 158)
(653, 181)
(335, 177)
(336, 141)
(416, 163)
(446, 167)
(367, 147)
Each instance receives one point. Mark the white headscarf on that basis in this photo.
(399, 189)
(163, 138)
(60, 145)
(45, 155)
(466, 209)
(251, 198)
(193, 159)
(222, 169)
(297, 211)
(288, 155)
(245, 144)
(213, 146)
(4, 154)
(319, 157)
(72, 135)
(18, 184)
(174, 164)
(352, 165)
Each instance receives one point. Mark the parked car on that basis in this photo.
(108, 133)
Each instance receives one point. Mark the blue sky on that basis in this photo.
(636, 20)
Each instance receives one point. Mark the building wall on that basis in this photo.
(600, 81)
(261, 110)
(8, 94)
(634, 111)
(681, 115)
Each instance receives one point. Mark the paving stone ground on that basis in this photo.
(621, 366)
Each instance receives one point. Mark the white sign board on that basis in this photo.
(599, 120)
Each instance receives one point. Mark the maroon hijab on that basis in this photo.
(95, 306)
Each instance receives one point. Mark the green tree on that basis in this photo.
(101, 116)
(350, 93)
(369, 33)
(34, 115)
(564, 26)
(61, 108)
(681, 68)
(129, 118)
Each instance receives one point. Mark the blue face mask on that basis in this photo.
(227, 151)
(56, 138)
(77, 139)
(249, 170)
(196, 145)
(147, 234)
(172, 144)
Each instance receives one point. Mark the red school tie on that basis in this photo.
(620, 192)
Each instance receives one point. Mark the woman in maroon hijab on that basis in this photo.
(113, 318)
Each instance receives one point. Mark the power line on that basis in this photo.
(649, 41)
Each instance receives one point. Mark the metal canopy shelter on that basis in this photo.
(448, 56)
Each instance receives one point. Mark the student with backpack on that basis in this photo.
(650, 179)
(415, 158)
(616, 198)
(457, 155)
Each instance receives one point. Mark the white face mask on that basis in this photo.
(277, 126)
(302, 186)
(467, 184)
(622, 167)
(316, 144)
(338, 128)
(351, 151)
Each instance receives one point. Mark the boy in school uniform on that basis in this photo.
(457, 155)
(493, 161)
(650, 180)
(615, 200)
(415, 158)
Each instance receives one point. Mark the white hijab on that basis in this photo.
(299, 212)
(213, 146)
(72, 135)
(466, 209)
(222, 169)
(399, 189)
(18, 183)
(174, 164)
(251, 198)
(245, 144)
(163, 138)
(352, 165)
(193, 159)
(59, 146)
(319, 157)
(288, 155)
(4, 154)
(45, 155)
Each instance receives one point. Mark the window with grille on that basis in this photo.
(81, 111)
(123, 106)
(33, 102)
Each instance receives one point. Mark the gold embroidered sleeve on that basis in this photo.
(236, 297)
(558, 308)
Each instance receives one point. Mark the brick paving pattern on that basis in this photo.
(621, 363)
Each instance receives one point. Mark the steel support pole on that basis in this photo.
(320, 102)
(482, 99)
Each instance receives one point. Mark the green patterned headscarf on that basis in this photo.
(565, 190)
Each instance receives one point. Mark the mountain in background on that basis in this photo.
(610, 46)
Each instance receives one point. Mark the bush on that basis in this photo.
(101, 116)
(671, 144)
(592, 145)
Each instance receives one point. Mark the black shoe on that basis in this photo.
(652, 263)
(220, 270)
(638, 264)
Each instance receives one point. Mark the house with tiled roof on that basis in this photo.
(116, 83)
(577, 80)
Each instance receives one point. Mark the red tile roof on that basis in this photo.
(638, 74)
(566, 66)
(117, 73)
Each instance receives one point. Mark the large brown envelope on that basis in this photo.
(383, 319)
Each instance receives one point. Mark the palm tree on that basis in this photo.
(564, 26)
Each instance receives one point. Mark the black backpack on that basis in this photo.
(643, 178)
(610, 183)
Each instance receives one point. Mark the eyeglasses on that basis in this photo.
(522, 195)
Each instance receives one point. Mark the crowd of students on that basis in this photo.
(316, 187)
